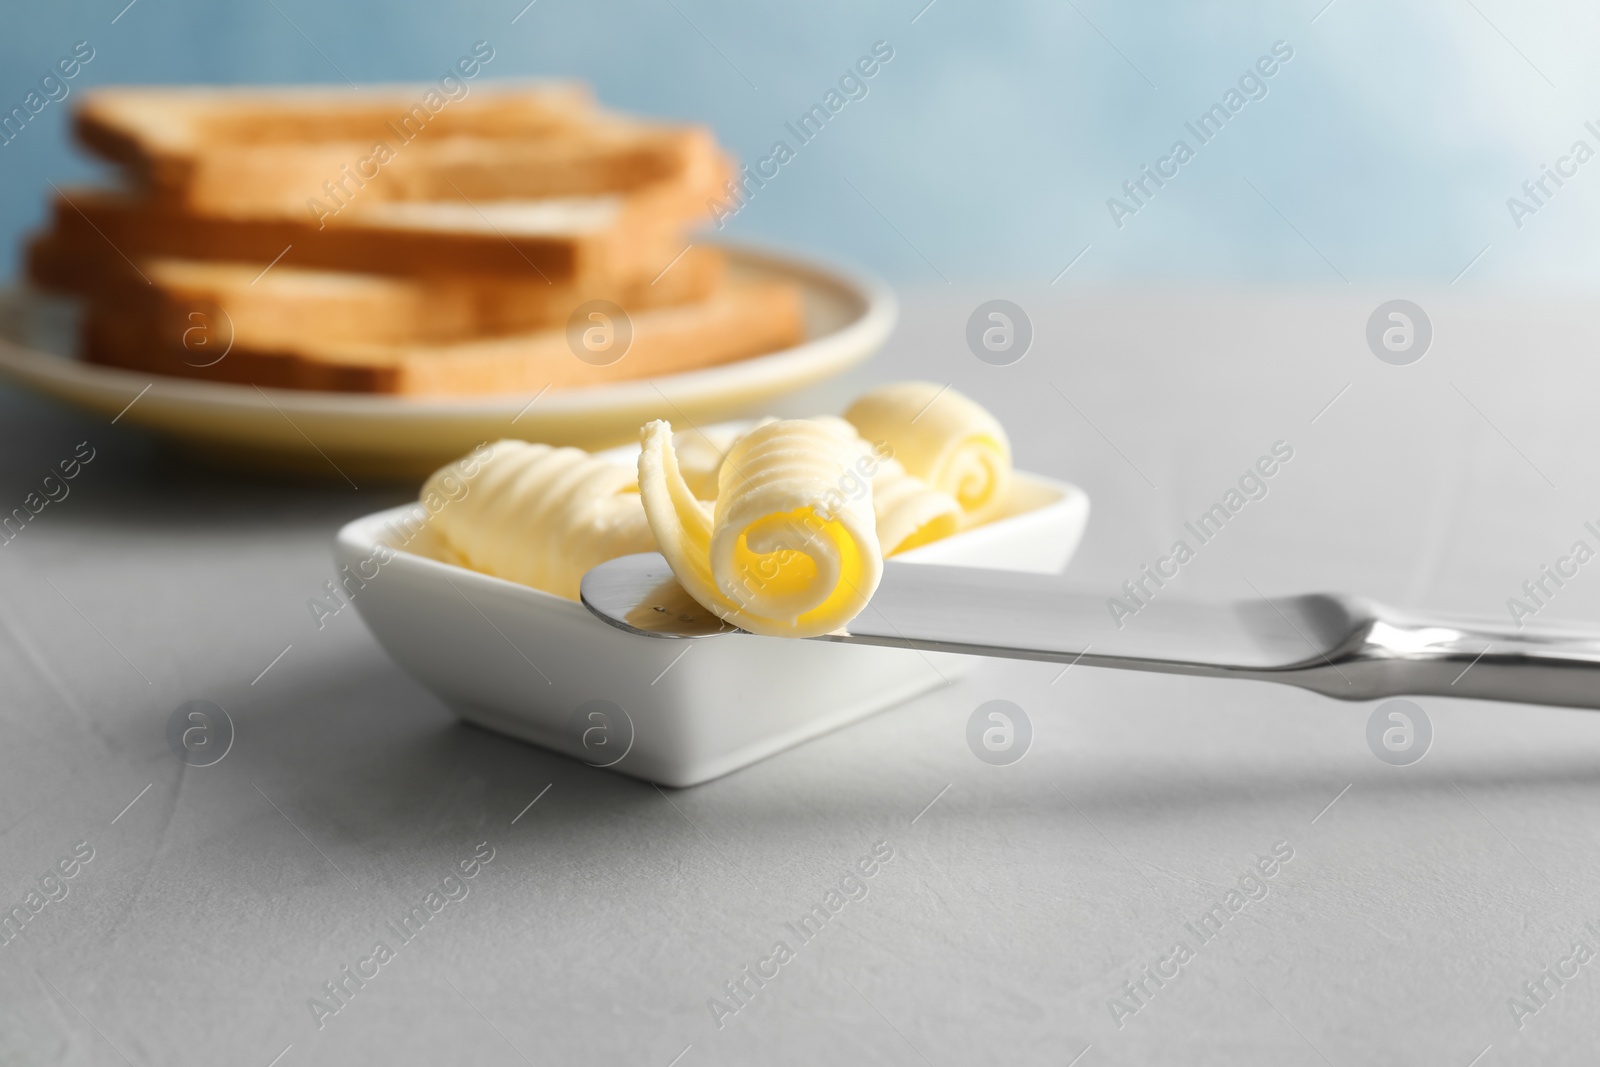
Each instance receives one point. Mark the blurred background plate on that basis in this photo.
(329, 435)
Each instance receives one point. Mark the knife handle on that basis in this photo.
(1474, 659)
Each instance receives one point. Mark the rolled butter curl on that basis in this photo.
(700, 454)
(790, 548)
(911, 513)
(542, 516)
(908, 511)
(942, 437)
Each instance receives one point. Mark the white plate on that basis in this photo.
(543, 669)
(848, 317)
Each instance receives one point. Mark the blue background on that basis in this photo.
(987, 148)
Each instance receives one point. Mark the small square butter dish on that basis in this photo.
(541, 668)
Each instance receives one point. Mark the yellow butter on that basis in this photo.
(541, 516)
(790, 547)
(700, 454)
(942, 437)
(910, 512)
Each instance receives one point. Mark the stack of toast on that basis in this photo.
(363, 241)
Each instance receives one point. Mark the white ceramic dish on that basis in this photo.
(848, 317)
(543, 669)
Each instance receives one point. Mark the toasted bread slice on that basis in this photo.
(742, 319)
(678, 169)
(582, 240)
(158, 134)
(288, 305)
(287, 152)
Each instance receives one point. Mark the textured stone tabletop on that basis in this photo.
(1177, 871)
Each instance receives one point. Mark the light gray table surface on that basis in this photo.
(1019, 899)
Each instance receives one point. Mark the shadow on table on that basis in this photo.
(386, 764)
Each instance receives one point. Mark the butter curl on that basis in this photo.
(942, 437)
(790, 547)
(539, 515)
